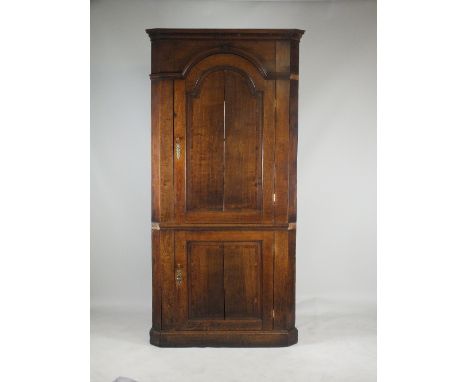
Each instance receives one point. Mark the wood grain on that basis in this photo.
(293, 130)
(284, 282)
(242, 281)
(205, 148)
(229, 279)
(243, 145)
(157, 280)
(241, 152)
(205, 281)
(167, 279)
(229, 100)
(173, 57)
(268, 151)
(181, 292)
(282, 136)
(164, 186)
(222, 338)
(156, 111)
(180, 139)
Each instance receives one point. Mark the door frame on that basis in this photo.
(267, 88)
(180, 313)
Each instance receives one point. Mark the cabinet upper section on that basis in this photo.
(176, 51)
(224, 125)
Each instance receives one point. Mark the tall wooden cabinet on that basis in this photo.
(224, 147)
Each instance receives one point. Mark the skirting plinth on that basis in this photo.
(220, 338)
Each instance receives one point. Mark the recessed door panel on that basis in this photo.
(224, 144)
(242, 150)
(226, 280)
(223, 129)
(205, 146)
(205, 278)
(242, 280)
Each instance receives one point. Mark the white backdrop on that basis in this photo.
(336, 234)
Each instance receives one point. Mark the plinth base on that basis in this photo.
(220, 338)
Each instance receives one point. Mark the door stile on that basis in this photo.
(180, 280)
(267, 280)
(268, 144)
(180, 149)
(169, 302)
(282, 134)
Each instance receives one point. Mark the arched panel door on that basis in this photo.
(224, 132)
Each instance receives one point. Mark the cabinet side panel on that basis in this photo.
(267, 280)
(292, 210)
(283, 282)
(164, 119)
(294, 57)
(268, 150)
(291, 317)
(293, 129)
(156, 276)
(282, 134)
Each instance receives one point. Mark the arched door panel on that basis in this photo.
(205, 148)
(224, 162)
(243, 144)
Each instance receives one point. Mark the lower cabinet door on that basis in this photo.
(223, 280)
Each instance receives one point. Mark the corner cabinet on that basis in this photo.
(224, 148)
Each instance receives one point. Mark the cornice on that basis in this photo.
(224, 34)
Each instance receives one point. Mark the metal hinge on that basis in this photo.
(274, 197)
(273, 313)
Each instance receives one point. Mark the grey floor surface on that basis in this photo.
(337, 342)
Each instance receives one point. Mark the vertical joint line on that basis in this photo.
(224, 286)
(274, 279)
(274, 152)
(173, 208)
(224, 134)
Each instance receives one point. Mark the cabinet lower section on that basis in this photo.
(214, 338)
(223, 288)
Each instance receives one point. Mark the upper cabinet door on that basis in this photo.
(224, 142)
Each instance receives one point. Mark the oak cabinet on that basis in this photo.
(224, 146)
